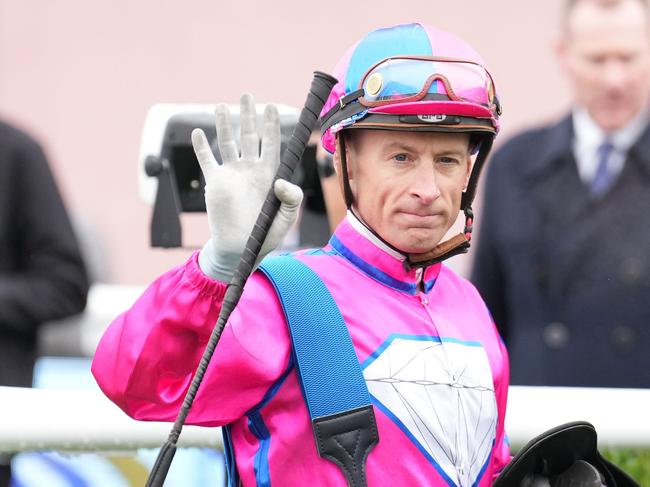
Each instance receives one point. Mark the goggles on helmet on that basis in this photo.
(419, 86)
(411, 79)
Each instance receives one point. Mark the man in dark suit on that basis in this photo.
(42, 275)
(563, 257)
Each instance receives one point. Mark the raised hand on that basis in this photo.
(235, 190)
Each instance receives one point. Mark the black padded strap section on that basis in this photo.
(346, 439)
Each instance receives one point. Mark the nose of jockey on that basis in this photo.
(424, 186)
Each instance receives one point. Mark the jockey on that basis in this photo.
(409, 125)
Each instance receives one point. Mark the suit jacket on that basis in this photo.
(42, 275)
(567, 275)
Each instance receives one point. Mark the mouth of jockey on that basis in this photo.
(422, 218)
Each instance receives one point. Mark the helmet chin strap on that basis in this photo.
(458, 244)
(347, 190)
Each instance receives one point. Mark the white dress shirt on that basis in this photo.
(588, 136)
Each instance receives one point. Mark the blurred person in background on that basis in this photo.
(563, 255)
(42, 274)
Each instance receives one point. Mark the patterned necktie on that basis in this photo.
(603, 177)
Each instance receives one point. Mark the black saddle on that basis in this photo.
(565, 456)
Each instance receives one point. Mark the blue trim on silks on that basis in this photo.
(467, 343)
(373, 356)
(383, 43)
(421, 338)
(273, 390)
(257, 426)
(414, 440)
(485, 465)
(261, 460)
(319, 252)
(319, 339)
(229, 457)
(428, 285)
(371, 270)
(435, 339)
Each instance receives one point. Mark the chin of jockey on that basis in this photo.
(410, 123)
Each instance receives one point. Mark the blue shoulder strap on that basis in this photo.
(332, 381)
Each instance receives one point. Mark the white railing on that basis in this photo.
(85, 420)
(82, 420)
(619, 415)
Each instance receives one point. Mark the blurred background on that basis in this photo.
(80, 76)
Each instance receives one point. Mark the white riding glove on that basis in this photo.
(236, 189)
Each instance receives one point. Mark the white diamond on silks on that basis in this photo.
(441, 394)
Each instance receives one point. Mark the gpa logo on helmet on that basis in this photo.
(432, 118)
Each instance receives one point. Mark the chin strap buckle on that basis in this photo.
(459, 244)
(469, 223)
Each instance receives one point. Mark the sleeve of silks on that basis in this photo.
(501, 453)
(147, 357)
